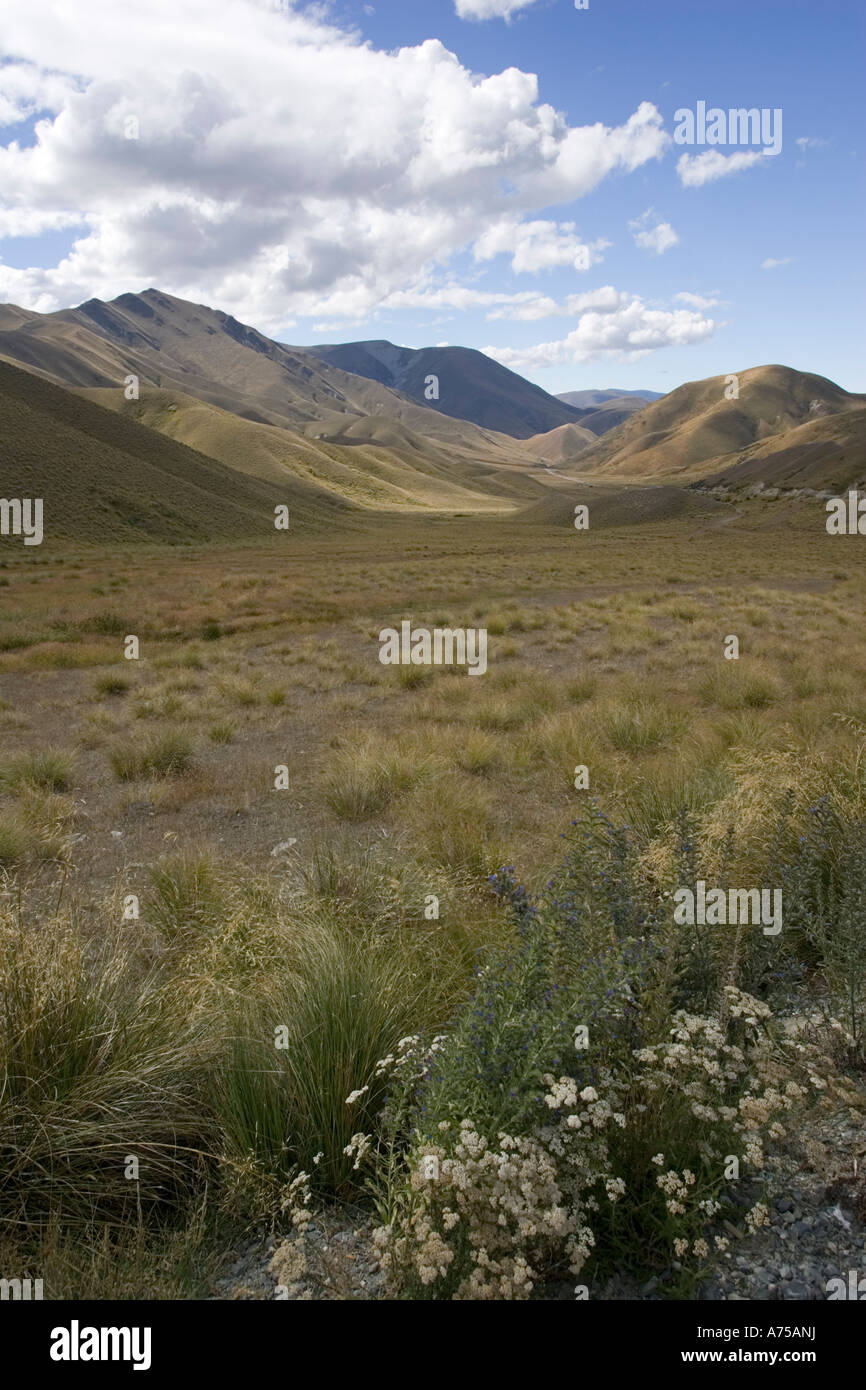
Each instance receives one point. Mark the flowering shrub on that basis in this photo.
(487, 1216)
(577, 1113)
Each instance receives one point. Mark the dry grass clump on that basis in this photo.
(166, 754)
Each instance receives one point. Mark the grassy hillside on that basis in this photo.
(560, 445)
(372, 462)
(686, 431)
(104, 477)
(828, 453)
(170, 343)
(617, 505)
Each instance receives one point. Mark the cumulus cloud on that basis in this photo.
(538, 245)
(284, 167)
(614, 325)
(697, 169)
(490, 9)
(699, 301)
(652, 235)
(772, 264)
(525, 308)
(26, 90)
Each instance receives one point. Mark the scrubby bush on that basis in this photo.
(584, 1106)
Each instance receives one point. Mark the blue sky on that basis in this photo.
(330, 174)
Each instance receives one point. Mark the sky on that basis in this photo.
(510, 175)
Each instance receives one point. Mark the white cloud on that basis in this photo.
(23, 221)
(652, 236)
(538, 307)
(697, 169)
(452, 296)
(527, 308)
(699, 301)
(538, 245)
(771, 264)
(523, 307)
(810, 142)
(25, 90)
(284, 167)
(618, 326)
(490, 9)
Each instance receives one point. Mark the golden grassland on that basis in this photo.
(606, 649)
(156, 778)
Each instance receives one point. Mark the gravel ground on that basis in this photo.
(815, 1192)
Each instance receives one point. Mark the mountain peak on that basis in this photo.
(457, 381)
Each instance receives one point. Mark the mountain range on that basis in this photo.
(471, 386)
(213, 423)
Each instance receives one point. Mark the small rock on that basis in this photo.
(795, 1290)
(839, 1216)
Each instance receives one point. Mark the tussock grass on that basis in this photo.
(451, 820)
(283, 1107)
(95, 1067)
(733, 687)
(632, 727)
(16, 839)
(112, 685)
(363, 782)
(477, 752)
(51, 769)
(166, 754)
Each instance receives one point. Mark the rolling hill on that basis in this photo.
(373, 463)
(561, 445)
(264, 408)
(604, 410)
(823, 455)
(105, 478)
(688, 433)
(591, 400)
(612, 413)
(205, 353)
(618, 505)
(330, 425)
